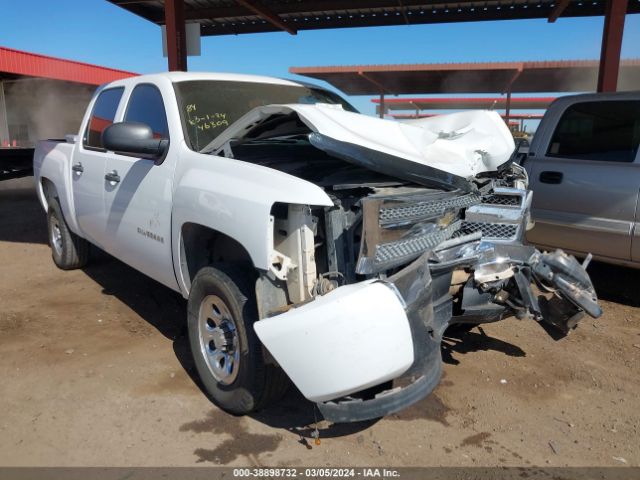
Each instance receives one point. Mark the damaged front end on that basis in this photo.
(442, 258)
(359, 294)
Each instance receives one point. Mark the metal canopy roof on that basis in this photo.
(520, 103)
(496, 77)
(223, 17)
(20, 64)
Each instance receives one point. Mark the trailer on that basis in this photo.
(16, 162)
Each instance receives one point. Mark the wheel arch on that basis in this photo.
(47, 190)
(201, 246)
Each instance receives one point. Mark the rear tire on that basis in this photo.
(227, 353)
(68, 250)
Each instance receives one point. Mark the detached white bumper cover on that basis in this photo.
(350, 339)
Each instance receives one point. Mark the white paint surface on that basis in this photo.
(352, 338)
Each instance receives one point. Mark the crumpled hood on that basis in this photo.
(462, 144)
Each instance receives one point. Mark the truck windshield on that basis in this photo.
(208, 107)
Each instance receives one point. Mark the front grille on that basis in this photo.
(490, 230)
(399, 228)
(405, 250)
(424, 209)
(497, 199)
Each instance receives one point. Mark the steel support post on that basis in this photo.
(176, 36)
(615, 13)
(507, 112)
(4, 122)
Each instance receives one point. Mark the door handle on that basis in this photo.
(78, 168)
(112, 176)
(553, 178)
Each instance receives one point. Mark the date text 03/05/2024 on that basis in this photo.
(316, 472)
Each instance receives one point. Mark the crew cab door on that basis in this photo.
(586, 179)
(88, 164)
(138, 195)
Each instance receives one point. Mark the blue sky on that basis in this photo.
(96, 31)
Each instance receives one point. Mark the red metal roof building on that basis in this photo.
(43, 96)
(17, 63)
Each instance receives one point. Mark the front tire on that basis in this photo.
(227, 353)
(68, 250)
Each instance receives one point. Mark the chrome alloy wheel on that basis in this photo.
(56, 236)
(218, 339)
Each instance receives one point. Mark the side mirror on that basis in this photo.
(134, 139)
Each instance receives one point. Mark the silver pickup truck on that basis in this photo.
(313, 243)
(584, 168)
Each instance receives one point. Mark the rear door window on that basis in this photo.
(103, 114)
(146, 106)
(603, 130)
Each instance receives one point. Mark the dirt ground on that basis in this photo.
(95, 370)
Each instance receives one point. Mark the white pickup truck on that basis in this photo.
(312, 243)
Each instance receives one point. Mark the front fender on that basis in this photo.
(235, 198)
